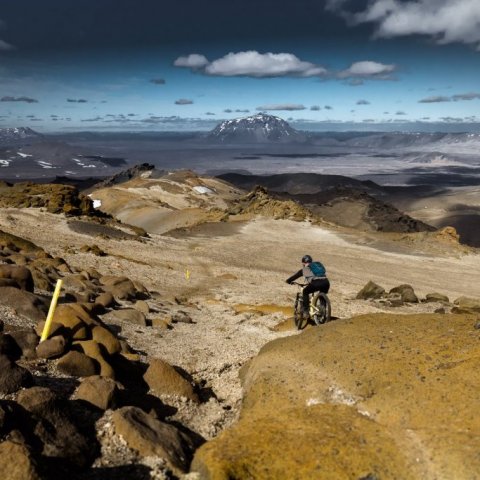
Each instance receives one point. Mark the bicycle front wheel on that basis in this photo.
(298, 314)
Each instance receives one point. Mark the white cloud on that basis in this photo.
(368, 68)
(255, 64)
(282, 106)
(446, 21)
(194, 60)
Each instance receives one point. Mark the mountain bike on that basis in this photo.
(319, 310)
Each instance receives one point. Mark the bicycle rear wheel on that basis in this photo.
(298, 315)
(322, 304)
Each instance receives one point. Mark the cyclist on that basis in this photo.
(316, 278)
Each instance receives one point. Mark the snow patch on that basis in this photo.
(45, 164)
(96, 203)
(4, 163)
(203, 190)
(24, 155)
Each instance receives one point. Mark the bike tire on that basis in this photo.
(322, 303)
(298, 318)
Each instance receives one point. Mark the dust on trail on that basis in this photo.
(248, 265)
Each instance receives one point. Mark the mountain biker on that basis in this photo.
(316, 278)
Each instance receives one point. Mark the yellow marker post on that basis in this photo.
(51, 310)
(187, 274)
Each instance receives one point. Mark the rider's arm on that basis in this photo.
(294, 276)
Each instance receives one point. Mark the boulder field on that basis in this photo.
(372, 397)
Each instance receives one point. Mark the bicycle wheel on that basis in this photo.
(298, 317)
(322, 304)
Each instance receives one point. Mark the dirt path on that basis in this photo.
(248, 267)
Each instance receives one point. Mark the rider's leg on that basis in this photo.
(306, 296)
(320, 285)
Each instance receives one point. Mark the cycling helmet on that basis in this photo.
(307, 259)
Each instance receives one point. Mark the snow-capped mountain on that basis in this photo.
(10, 136)
(259, 128)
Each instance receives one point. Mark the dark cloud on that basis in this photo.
(95, 119)
(158, 81)
(18, 99)
(238, 110)
(328, 107)
(363, 102)
(400, 112)
(210, 113)
(455, 98)
(435, 99)
(451, 119)
(183, 101)
(5, 47)
(466, 96)
(228, 110)
(290, 107)
(76, 100)
(315, 108)
(132, 114)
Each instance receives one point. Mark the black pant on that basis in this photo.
(320, 285)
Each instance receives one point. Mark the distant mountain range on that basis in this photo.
(256, 129)
(13, 136)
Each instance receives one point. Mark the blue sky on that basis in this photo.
(156, 65)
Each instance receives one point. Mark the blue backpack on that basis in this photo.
(318, 269)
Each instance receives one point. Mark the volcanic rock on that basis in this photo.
(21, 275)
(51, 347)
(122, 288)
(35, 398)
(27, 340)
(407, 293)
(12, 376)
(131, 315)
(356, 418)
(78, 364)
(16, 462)
(436, 297)
(163, 379)
(107, 339)
(467, 305)
(99, 391)
(149, 436)
(370, 290)
(9, 347)
(105, 300)
(24, 303)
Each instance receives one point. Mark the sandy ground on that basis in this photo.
(242, 264)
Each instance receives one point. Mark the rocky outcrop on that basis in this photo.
(354, 399)
(54, 197)
(259, 202)
(397, 296)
